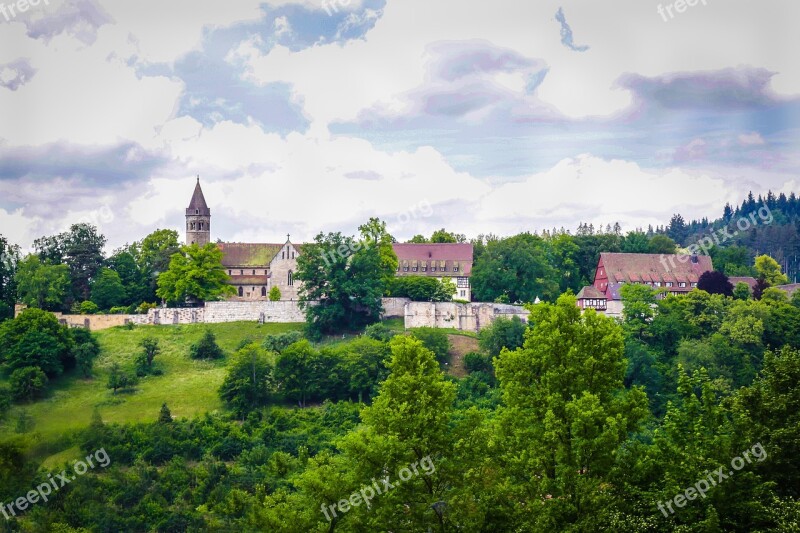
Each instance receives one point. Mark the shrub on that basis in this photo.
(28, 383)
(144, 307)
(118, 379)
(379, 332)
(206, 347)
(278, 343)
(274, 294)
(435, 340)
(88, 308)
(476, 362)
(502, 333)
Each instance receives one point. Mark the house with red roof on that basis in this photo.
(451, 261)
(668, 273)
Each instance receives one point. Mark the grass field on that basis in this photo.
(189, 387)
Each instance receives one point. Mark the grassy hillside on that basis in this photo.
(189, 387)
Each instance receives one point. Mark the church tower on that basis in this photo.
(198, 218)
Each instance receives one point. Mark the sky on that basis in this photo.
(303, 116)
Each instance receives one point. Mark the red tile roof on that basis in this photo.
(590, 292)
(655, 267)
(434, 255)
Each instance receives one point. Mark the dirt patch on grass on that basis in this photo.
(460, 345)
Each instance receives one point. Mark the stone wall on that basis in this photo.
(258, 311)
(94, 322)
(465, 317)
(394, 307)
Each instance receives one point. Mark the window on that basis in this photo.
(283, 254)
(263, 291)
(241, 292)
(196, 211)
(291, 278)
(463, 293)
(682, 284)
(292, 255)
(200, 226)
(413, 269)
(433, 269)
(405, 269)
(694, 284)
(455, 269)
(254, 272)
(241, 272)
(424, 269)
(657, 283)
(229, 272)
(462, 282)
(668, 284)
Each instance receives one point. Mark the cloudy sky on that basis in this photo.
(305, 115)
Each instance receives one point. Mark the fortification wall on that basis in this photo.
(465, 317)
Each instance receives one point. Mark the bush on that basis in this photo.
(118, 379)
(502, 333)
(379, 332)
(28, 383)
(435, 340)
(476, 362)
(278, 343)
(88, 308)
(206, 347)
(274, 294)
(144, 307)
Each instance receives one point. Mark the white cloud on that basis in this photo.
(751, 139)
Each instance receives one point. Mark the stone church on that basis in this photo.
(255, 268)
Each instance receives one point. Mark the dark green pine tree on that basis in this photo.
(164, 417)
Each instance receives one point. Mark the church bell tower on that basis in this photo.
(198, 218)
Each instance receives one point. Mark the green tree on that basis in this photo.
(348, 288)
(742, 291)
(516, 267)
(502, 333)
(661, 244)
(408, 421)
(164, 416)
(27, 383)
(294, 372)
(42, 285)
(150, 349)
(418, 239)
(119, 379)
(206, 347)
(35, 338)
(366, 361)
(249, 382)
(9, 258)
(770, 271)
(195, 273)
(443, 236)
(636, 242)
(153, 255)
(107, 290)
(274, 294)
(565, 416)
(133, 281)
(85, 355)
(638, 307)
(81, 249)
(374, 233)
(434, 340)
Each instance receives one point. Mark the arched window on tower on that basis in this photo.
(291, 278)
(241, 292)
(201, 226)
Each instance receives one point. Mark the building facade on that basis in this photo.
(438, 260)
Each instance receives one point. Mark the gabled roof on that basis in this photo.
(449, 253)
(198, 205)
(655, 267)
(243, 254)
(590, 291)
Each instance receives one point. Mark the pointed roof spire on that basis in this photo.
(198, 205)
